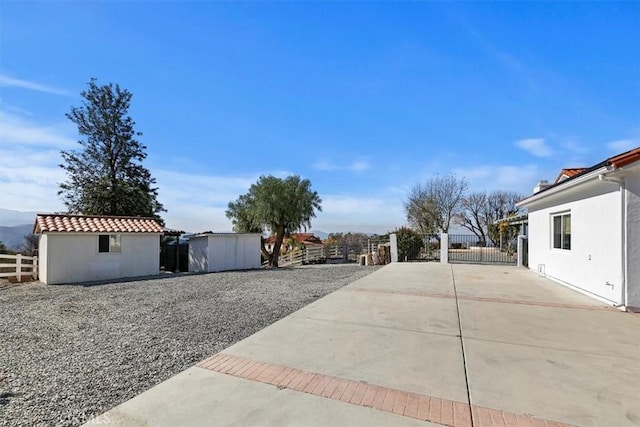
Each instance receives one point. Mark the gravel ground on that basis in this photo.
(68, 353)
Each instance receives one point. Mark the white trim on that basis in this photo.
(563, 186)
(110, 251)
(561, 215)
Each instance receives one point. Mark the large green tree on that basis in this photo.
(106, 176)
(279, 206)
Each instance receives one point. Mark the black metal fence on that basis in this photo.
(467, 249)
(419, 248)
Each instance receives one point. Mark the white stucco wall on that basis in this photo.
(595, 257)
(72, 258)
(633, 238)
(224, 252)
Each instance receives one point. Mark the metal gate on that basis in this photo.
(525, 252)
(467, 249)
(413, 248)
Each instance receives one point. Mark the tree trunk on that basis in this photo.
(275, 253)
(264, 251)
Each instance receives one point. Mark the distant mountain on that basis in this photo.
(320, 234)
(13, 237)
(11, 218)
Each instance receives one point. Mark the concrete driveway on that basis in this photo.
(418, 344)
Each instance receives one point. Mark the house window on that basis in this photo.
(562, 231)
(108, 243)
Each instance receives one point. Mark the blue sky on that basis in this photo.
(365, 98)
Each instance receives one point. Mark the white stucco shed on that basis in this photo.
(584, 230)
(82, 248)
(212, 252)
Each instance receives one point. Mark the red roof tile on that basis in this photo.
(299, 237)
(64, 223)
(625, 159)
(569, 173)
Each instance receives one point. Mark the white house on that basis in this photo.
(212, 252)
(81, 248)
(584, 229)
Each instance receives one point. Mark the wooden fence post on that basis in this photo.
(35, 268)
(19, 267)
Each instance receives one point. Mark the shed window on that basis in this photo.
(108, 243)
(562, 231)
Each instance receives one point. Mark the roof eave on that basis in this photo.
(564, 185)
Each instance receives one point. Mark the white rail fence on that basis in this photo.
(18, 266)
(289, 259)
(320, 254)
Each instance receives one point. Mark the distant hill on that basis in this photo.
(11, 218)
(319, 234)
(13, 237)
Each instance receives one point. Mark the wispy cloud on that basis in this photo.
(16, 130)
(29, 179)
(30, 155)
(13, 109)
(324, 165)
(535, 146)
(360, 213)
(623, 145)
(211, 190)
(8, 81)
(328, 166)
(517, 178)
(359, 166)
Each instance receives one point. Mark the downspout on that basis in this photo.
(623, 228)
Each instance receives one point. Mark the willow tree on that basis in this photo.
(106, 176)
(278, 206)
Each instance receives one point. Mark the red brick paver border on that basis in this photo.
(413, 405)
(482, 299)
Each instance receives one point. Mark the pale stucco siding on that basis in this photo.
(198, 254)
(224, 252)
(229, 252)
(633, 238)
(73, 258)
(594, 262)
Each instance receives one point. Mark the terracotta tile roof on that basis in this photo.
(569, 173)
(625, 159)
(303, 237)
(299, 237)
(63, 223)
(618, 161)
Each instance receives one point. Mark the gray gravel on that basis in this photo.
(68, 353)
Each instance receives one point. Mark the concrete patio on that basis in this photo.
(418, 344)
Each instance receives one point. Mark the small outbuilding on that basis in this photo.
(213, 252)
(82, 248)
